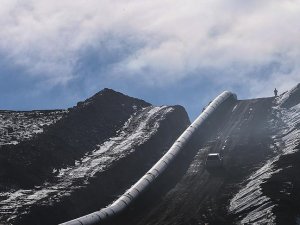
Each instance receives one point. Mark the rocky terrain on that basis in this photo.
(87, 156)
(258, 183)
(271, 193)
(62, 164)
(16, 127)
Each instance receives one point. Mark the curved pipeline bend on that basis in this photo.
(132, 193)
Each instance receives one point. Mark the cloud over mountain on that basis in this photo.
(250, 44)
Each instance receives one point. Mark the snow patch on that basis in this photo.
(289, 96)
(250, 202)
(19, 126)
(251, 197)
(140, 127)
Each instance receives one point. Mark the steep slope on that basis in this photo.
(16, 126)
(272, 193)
(89, 123)
(105, 143)
(259, 182)
(202, 196)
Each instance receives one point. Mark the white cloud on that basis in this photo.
(180, 38)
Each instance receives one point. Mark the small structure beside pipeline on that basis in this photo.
(143, 183)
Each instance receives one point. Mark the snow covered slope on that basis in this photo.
(290, 98)
(259, 182)
(271, 193)
(98, 173)
(106, 143)
(91, 122)
(16, 127)
(201, 196)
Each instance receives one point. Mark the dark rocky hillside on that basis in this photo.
(82, 128)
(258, 182)
(17, 126)
(59, 165)
(93, 151)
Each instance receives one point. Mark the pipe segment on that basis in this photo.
(143, 183)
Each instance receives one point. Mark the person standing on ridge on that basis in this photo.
(275, 92)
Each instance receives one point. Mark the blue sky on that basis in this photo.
(54, 54)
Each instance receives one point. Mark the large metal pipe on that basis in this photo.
(143, 183)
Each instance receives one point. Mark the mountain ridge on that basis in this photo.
(81, 153)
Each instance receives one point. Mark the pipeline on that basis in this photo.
(143, 183)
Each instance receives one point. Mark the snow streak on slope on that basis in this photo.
(18, 126)
(290, 98)
(137, 130)
(250, 198)
(250, 202)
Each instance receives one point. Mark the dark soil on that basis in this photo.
(202, 196)
(89, 123)
(107, 185)
(78, 132)
(283, 188)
